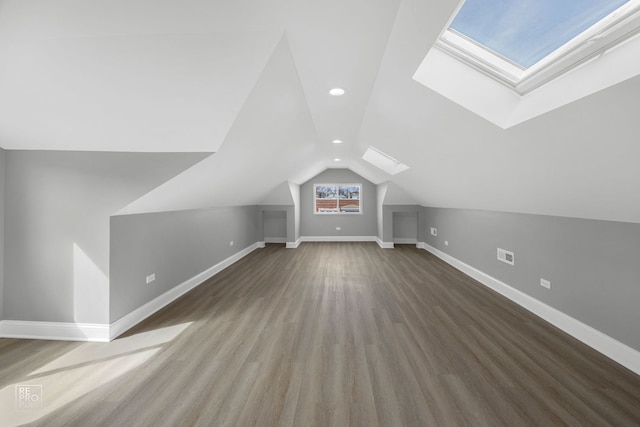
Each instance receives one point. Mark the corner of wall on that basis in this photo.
(2, 211)
(295, 195)
(384, 245)
(294, 245)
(381, 191)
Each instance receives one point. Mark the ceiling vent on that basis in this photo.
(380, 160)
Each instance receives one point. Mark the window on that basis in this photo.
(500, 58)
(525, 43)
(383, 161)
(527, 31)
(337, 198)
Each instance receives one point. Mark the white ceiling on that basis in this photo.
(248, 80)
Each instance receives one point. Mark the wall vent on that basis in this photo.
(506, 256)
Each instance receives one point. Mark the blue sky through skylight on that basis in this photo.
(525, 31)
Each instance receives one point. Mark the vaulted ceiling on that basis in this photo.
(248, 81)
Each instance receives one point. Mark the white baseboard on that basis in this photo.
(610, 347)
(138, 315)
(294, 245)
(405, 240)
(338, 238)
(384, 245)
(106, 332)
(54, 331)
(275, 240)
(260, 245)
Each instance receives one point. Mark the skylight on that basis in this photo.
(526, 31)
(526, 43)
(512, 60)
(384, 161)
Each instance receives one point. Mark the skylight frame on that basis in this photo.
(383, 161)
(606, 34)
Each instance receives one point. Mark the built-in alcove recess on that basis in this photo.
(405, 227)
(274, 226)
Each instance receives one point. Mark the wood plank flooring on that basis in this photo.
(329, 334)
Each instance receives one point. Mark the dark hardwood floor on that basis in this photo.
(329, 334)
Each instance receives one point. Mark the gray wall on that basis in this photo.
(325, 225)
(275, 225)
(269, 212)
(593, 266)
(57, 227)
(405, 226)
(175, 246)
(2, 187)
(405, 212)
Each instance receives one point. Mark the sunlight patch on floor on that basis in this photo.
(78, 372)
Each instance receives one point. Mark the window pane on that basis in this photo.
(326, 198)
(350, 206)
(326, 192)
(349, 191)
(525, 31)
(349, 198)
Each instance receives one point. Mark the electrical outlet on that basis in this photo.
(434, 231)
(338, 228)
(151, 278)
(545, 283)
(446, 243)
(231, 243)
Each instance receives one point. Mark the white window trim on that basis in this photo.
(474, 90)
(337, 212)
(609, 32)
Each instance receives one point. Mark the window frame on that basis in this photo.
(338, 211)
(607, 34)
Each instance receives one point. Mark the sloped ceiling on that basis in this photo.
(271, 137)
(248, 79)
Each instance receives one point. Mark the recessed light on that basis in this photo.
(337, 141)
(336, 160)
(336, 91)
